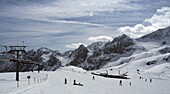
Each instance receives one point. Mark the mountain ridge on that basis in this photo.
(120, 50)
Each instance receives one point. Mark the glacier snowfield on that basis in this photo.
(53, 82)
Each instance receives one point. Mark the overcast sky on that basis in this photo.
(65, 24)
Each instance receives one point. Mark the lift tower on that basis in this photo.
(17, 50)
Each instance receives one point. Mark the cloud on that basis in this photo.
(74, 45)
(65, 8)
(136, 31)
(100, 38)
(72, 22)
(159, 20)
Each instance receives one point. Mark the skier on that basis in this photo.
(130, 83)
(93, 78)
(65, 81)
(140, 77)
(151, 80)
(74, 82)
(79, 84)
(120, 83)
(119, 72)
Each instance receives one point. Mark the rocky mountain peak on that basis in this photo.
(122, 38)
(45, 50)
(82, 47)
(118, 45)
(158, 35)
(80, 50)
(79, 55)
(96, 46)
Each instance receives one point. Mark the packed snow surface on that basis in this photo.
(53, 82)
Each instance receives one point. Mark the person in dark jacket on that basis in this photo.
(120, 83)
(65, 81)
(74, 82)
(151, 80)
(93, 78)
(130, 83)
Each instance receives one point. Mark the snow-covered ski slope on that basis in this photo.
(53, 82)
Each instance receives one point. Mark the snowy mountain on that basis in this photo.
(123, 52)
(161, 35)
(98, 54)
(96, 46)
(44, 56)
(155, 54)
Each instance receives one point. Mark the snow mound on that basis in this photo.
(73, 68)
(162, 68)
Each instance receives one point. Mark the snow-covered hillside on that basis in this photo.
(148, 58)
(54, 82)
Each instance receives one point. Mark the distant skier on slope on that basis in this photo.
(74, 82)
(79, 84)
(93, 78)
(65, 81)
(130, 83)
(120, 83)
(151, 80)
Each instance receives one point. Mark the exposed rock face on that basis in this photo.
(118, 45)
(165, 50)
(167, 59)
(53, 61)
(47, 58)
(67, 53)
(33, 55)
(79, 55)
(98, 54)
(96, 46)
(151, 62)
(111, 51)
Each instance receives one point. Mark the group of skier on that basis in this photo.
(121, 83)
(93, 78)
(149, 80)
(74, 82)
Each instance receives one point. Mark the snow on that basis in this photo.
(139, 60)
(148, 45)
(159, 68)
(46, 57)
(64, 60)
(8, 83)
(161, 71)
(54, 83)
(95, 46)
